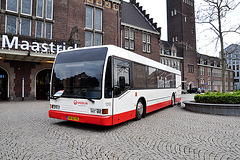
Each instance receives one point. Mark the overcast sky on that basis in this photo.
(157, 11)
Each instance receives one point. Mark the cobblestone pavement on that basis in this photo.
(26, 132)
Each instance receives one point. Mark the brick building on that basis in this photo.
(198, 70)
(33, 31)
(168, 55)
(210, 74)
(181, 32)
(139, 32)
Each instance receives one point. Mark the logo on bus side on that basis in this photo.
(80, 103)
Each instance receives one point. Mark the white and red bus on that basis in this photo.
(107, 85)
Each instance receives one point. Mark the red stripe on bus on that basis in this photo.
(122, 117)
(106, 120)
(83, 118)
(157, 106)
(178, 99)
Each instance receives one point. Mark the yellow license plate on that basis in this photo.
(72, 118)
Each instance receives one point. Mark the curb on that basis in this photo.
(218, 109)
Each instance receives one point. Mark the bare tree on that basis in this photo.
(214, 14)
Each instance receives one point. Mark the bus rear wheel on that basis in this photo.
(139, 110)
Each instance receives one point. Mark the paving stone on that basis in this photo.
(26, 132)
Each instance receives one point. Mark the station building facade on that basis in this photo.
(32, 32)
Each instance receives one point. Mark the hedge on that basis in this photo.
(218, 98)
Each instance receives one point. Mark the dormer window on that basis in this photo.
(174, 53)
(174, 12)
(174, 39)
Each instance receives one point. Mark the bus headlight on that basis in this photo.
(95, 110)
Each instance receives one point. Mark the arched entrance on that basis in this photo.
(43, 84)
(191, 85)
(3, 85)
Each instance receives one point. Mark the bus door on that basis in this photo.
(122, 95)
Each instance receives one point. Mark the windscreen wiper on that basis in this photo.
(87, 98)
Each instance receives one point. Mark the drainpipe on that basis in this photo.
(119, 25)
(22, 89)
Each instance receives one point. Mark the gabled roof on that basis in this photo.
(133, 15)
(166, 45)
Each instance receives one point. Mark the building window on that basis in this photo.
(129, 39)
(174, 38)
(11, 24)
(12, 5)
(146, 43)
(88, 39)
(49, 9)
(27, 7)
(174, 53)
(209, 71)
(209, 85)
(190, 68)
(40, 8)
(25, 27)
(98, 19)
(39, 29)
(174, 12)
(89, 17)
(20, 24)
(98, 39)
(201, 71)
(93, 24)
(144, 39)
(48, 31)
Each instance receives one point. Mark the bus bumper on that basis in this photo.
(83, 118)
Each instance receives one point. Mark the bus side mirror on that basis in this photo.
(122, 81)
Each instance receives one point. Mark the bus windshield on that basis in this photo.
(78, 74)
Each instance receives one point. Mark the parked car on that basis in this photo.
(184, 91)
(194, 90)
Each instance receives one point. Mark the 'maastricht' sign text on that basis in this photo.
(50, 48)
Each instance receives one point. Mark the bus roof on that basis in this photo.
(128, 55)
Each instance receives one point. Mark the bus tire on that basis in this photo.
(173, 101)
(139, 110)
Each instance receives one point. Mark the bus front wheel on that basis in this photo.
(139, 110)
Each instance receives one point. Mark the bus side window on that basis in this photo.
(140, 76)
(121, 76)
(108, 79)
(161, 78)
